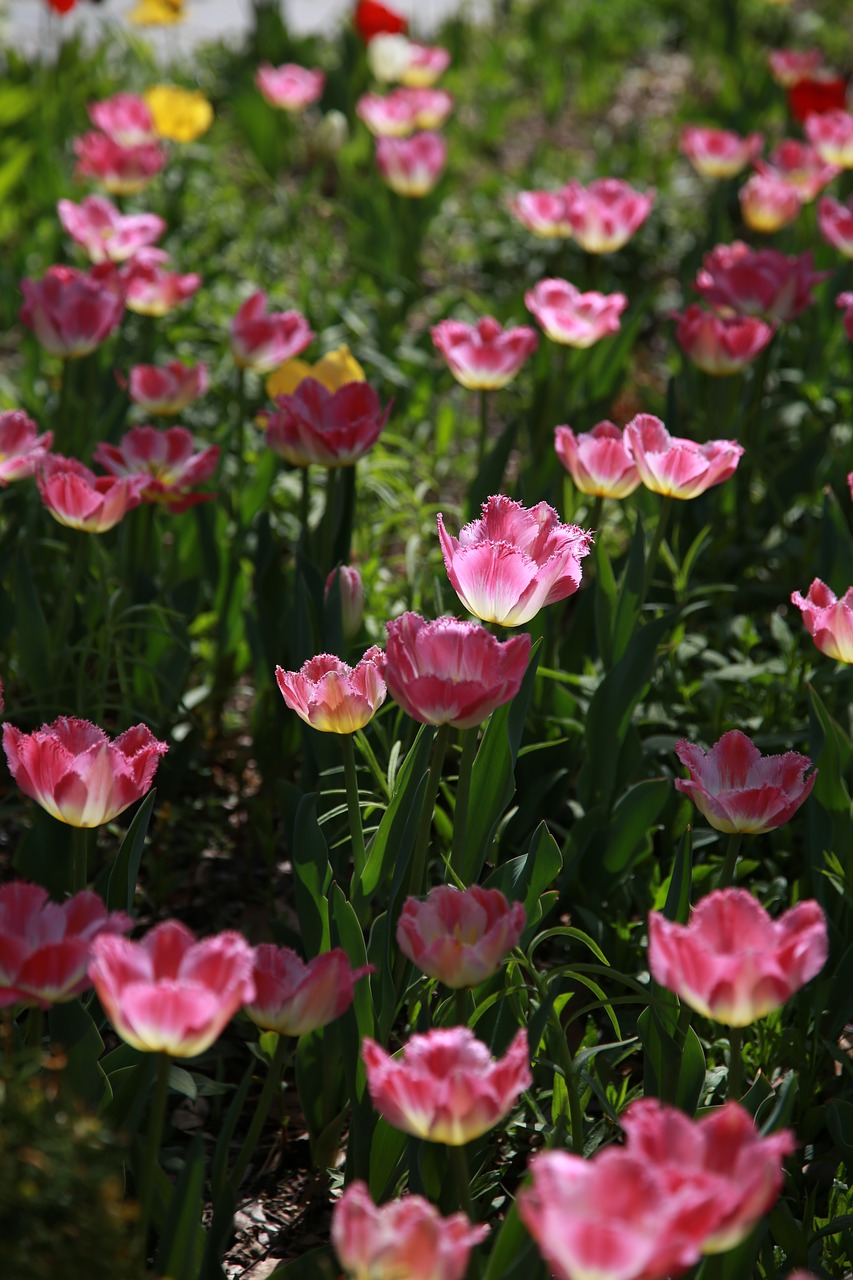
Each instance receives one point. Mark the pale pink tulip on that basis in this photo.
(166, 461)
(798, 164)
(459, 936)
(329, 428)
(122, 171)
(352, 597)
(79, 499)
(787, 66)
(125, 117)
(768, 202)
(604, 215)
(21, 447)
(721, 345)
(572, 318)
(404, 111)
(484, 356)
(675, 467)
(72, 312)
(758, 282)
(262, 340)
(332, 696)
(105, 233)
(831, 135)
(154, 291)
(836, 224)
(424, 65)
(719, 153)
(828, 620)
(292, 997)
(543, 213)
(290, 87)
(599, 461)
(412, 166)
(166, 390)
(405, 1237)
(739, 789)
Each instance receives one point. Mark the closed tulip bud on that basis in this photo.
(352, 597)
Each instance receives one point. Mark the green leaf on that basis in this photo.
(34, 640)
(121, 886)
(633, 817)
(632, 591)
(671, 1072)
(386, 848)
(312, 876)
(677, 903)
(182, 1082)
(316, 1264)
(354, 1024)
(605, 602)
(387, 1148)
(513, 1252)
(526, 878)
(182, 1241)
(74, 1028)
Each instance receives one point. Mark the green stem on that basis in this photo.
(327, 533)
(156, 1118)
(63, 406)
(563, 1054)
(657, 540)
(271, 1085)
(484, 428)
(463, 795)
(729, 867)
(462, 1179)
(735, 1089)
(672, 1061)
(240, 449)
(417, 880)
(80, 842)
(305, 504)
(353, 808)
(373, 764)
(35, 1027)
(463, 1005)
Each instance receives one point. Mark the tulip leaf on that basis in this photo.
(354, 1024)
(387, 848)
(315, 1264)
(121, 885)
(312, 876)
(676, 905)
(182, 1240)
(34, 641)
(634, 815)
(387, 1150)
(513, 1253)
(673, 1072)
(489, 477)
(632, 590)
(525, 879)
(839, 1119)
(74, 1028)
(605, 602)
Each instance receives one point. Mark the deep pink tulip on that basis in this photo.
(845, 302)
(125, 118)
(758, 282)
(79, 499)
(450, 672)
(332, 696)
(739, 789)
(424, 65)
(828, 620)
(459, 936)
(768, 202)
(262, 340)
(719, 153)
(77, 774)
(22, 449)
(72, 312)
(675, 467)
(720, 345)
(543, 213)
(404, 111)
(166, 460)
(330, 428)
(105, 233)
(604, 215)
(154, 291)
(484, 356)
(352, 597)
(122, 171)
(572, 318)
(836, 224)
(412, 166)
(732, 963)
(290, 87)
(169, 993)
(405, 1237)
(798, 164)
(445, 1086)
(166, 390)
(514, 560)
(45, 946)
(831, 135)
(292, 997)
(599, 461)
(787, 66)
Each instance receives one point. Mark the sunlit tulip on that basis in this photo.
(758, 282)
(290, 87)
(817, 94)
(787, 66)
(125, 117)
(484, 356)
(412, 166)
(768, 202)
(180, 115)
(334, 370)
(152, 290)
(426, 63)
(351, 595)
(405, 1237)
(330, 695)
(719, 153)
(166, 390)
(106, 234)
(292, 997)
(262, 340)
(21, 447)
(166, 460)
(676, 467)
(388, 56)
(739, 789)
(828, 620)
(836, 224)
(572, 318)
(157, 13)
(72, 312)
(373, 19)
(404, 111)
(121, 170)
(73, 770)
(79, 499)
(798, 164)
(599, 461)
(543, 213)
(459, 936)
(329, 428)
(831, 134)
(605, 214)
(720, 344)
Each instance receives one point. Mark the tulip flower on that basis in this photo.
(61, 6)
(768, 202)
(73, 771)
(719, 153)
(721, 345)
(484, 356)
(79, 499)
(800, 166)
(21, 448)
(262, 340)
(121, 170)
(404, 111)
(293, 998)
(388, 56)
(604, 215)
(157, 13)
(445, 1087)
(169, 993)
(166, 390)
(179, 115)
(407, 1237)
(543, 213)
(787, 66)
(739, 789)
(572, 318)
(831, 135)
(289, 87)
(836, 224)
(514, 560)
(167, 463)
(331, 696)
(412, 166)
(828, 620)
(153, 291)
(425, 64)
(817, 94)
(675, 467)
(330, 428)
(72, 312)
(45, 946)
(845, 302)
(758, 282)
(352, 597)
(599, 461)
(334, 370)
(732, 963)
(373, 19)
(125, 118)
(105, 233)
(459, 936)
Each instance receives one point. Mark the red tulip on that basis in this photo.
(599, 461)
(121, 170)
(719, 153)
(166, 461)
(720, 345)
(459, 936)
(372, 19)
(21, 448)
(604, 215)
(674, 466)
(572, 318)
(289, 87)
(166, 390)
(263, 340)
(758, 282)
(332, 696)
(484, 356)
(105, 233)
(61, 6)
(829, 621)
(79, 499)
(816, 94)
(293, 998)
(330, 428)
(72, 312)
(738, 789)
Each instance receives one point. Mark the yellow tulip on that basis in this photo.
(181, 115)
(334, 370)
(157, 13)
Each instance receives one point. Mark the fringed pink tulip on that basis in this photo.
(79, 499)
(828, 620)
(22, 449)
(445, 1086)
(514, 560)
(398, 114)
(412, 166)
(73, 771)
(799, 165)
(604, 215)
(292, 997)
(352, 597)
(166, 461)
(45, 946)
(732, 963)
(739, 789)
(831, 135)
(675, 467)
(169, 993)
(290, 87)
(721, 345)
(719, 153)
(125, 117)
(459, 936)
(332, 696)
(106, 234)
(768, 202)
(122, 171)
(450, 672)
(599, 461)
(329, 428)
(787, 66)
(844, 302)
(424, 65)
(758, 282)
(405, 1237)
(484, 356)
(543, 213)
(262, 340)
(154, 291)
(166, 390)
(72, 312)
(572, 318)
(836, 224)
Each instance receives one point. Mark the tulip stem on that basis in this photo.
(63, 405)
(353, 809)
(563, 1055)
(462, 1004)
(484, 428)
(35, 1027)
(417, 881)
(148, 1169)
(462, 1178)
(727, 873)
(463, 795)
(657, 540)
(735, 1089)
(271, 1085)
(305, 504)
(80, 840)
(240, 448)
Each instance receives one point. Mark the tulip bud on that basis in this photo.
(352, 598)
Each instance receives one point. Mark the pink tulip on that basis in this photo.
(675, 467)
(845, 302)
(292, 998)
(738, 789)
(572, 318)
(166, 461)
(720, 345)
(836, 224)
(405, 1237)
(412, 166)
(424, 64)
(829, 621)
(153, 291)
(788, 66)
(125, 118)
(758, 282)
(352, 597)
(445, 1087)
(450, 672)
(543, 213)
(45, 946)
(800, 166)
(263, 340)
(73, 771)
(72, 312)
(719, 153)
(606, 214)
(169, 993)
(332, 696)
(330, 428)
(105, 233)
(79, 499)
(484, 356)
(768, 202)
(599, 461)
(21, 448)
(290, 87)
(514, 560)
(166, 390)
(459, 936)
(732, 963)
(404, 111)
(122, 171)
(831, 135)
